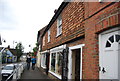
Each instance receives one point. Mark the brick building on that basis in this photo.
(39, 37)
(82, 41)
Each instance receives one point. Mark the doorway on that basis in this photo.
(75, 62)
(109, 47)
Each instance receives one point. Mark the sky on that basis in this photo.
(20, 20)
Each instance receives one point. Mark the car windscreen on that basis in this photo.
(8, 68)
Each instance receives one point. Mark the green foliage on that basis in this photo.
(19, 47)
(37, 45)
(32, 54)
(35, 49)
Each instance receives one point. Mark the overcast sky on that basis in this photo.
(20, 20)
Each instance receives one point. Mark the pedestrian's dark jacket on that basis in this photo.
(28, 60)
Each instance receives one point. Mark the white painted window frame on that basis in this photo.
(59, 26)
(49, 35)
(55, 50)
(70, 60)
(58, 76)
(44, 67)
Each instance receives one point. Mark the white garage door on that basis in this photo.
(109, 53)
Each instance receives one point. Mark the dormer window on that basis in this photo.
(59, 25)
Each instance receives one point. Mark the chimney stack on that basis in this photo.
(8, 46)
(55, 10)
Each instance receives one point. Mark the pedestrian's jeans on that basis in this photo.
(28, 66)
(33, 66)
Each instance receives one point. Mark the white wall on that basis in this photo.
(38, 59)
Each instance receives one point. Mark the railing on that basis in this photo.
(17, 72)
(11, 75)
(1, 60)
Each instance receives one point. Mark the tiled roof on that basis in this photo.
(42, 30)
(13, 51)
(1, 48)
(40, 33)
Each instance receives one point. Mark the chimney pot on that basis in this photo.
(55, 10)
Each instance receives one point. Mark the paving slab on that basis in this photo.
(34, 74)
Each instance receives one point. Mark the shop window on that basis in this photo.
(43, 60)
(53, 60)
(59, 64)
(56, 63)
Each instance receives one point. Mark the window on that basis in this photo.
(59, 64)
(48, 35)
(53, 59)
(117, 38)
(44, 41)
(43, 60)
(59, 25)
(108, 44)
(56, 63)
(112, 39)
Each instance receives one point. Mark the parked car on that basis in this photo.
(7, 71)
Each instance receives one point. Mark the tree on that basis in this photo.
(20, 49)
(35, 49)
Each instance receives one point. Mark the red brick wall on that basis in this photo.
(72, 25)
(99, 22)
(43, 46)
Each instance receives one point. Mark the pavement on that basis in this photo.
(34, 74)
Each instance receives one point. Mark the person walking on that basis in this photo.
(28, 61)
(33, 62)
